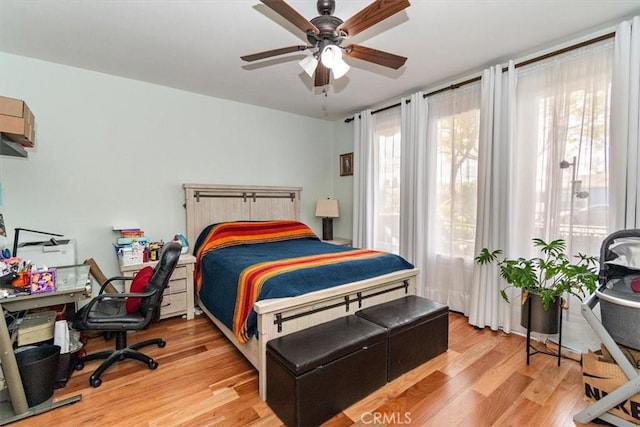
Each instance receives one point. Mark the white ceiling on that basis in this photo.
(195, 45)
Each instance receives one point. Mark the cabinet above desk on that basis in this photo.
(17, 127)
(11, 148)
(17, 121)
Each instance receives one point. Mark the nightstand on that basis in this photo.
(178, 297)
(339, 241)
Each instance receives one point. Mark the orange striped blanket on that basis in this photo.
(239, 263)
(252, 278)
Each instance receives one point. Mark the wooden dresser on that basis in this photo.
(178, 298)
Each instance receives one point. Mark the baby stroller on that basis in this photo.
(617, 326)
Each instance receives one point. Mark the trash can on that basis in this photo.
(37, 366)
(66, 366)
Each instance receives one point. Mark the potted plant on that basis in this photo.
(544, 279)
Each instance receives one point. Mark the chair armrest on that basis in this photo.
(112, 279)
(122, 295)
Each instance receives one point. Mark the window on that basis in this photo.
(453, 126)
(563, 111)
(386, 154)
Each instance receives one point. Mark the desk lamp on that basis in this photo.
(17, 233)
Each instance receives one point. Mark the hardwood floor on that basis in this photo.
(202, 380)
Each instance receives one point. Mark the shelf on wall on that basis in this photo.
(10, 148)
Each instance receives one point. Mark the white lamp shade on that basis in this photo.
(340, 68)
(331, 55)
(309, 64)
(327, 208)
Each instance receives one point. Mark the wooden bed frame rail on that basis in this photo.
(282, 316)
(346, 303)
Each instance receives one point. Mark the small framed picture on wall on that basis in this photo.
(346, 164)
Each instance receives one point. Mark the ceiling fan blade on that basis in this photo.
(274, 52)
(377, 11)
(291, 15)
(322, 75)
(376, 56)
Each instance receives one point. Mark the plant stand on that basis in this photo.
(535, 350)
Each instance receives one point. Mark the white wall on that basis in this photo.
(343, 185)
(112, 150)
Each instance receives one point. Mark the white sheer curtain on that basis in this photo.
(563, 114)
(363, 181)
(559, 176)
(624, 197)
(450, 181)
(496, 127)
(377, 158)
(412, 183)
(535, 162)
(386, 155)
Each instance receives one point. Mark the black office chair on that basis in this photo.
(107, 312)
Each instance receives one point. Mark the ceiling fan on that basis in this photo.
(326, 33)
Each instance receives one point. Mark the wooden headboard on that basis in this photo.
(209, 203)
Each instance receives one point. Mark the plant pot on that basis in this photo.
(542, 321)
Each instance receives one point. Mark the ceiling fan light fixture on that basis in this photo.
(326, 32)
(331, 55)
(340, 68)
(309, 64)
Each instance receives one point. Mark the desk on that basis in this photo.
(71, 282)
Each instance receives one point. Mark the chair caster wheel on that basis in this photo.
(79, 366)
(153, 364)
(161, 344)
(95, 382)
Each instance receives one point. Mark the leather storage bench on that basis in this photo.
(315, 373)
(417, 328)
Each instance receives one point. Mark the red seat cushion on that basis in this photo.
(139, 284)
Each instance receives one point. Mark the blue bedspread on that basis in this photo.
(220, 270)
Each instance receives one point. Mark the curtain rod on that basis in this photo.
(504, 69)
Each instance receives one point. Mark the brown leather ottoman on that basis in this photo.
(315, 373)
(417, 328)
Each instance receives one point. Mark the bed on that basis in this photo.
(212, 208)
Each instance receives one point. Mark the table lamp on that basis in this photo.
(327, 209)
